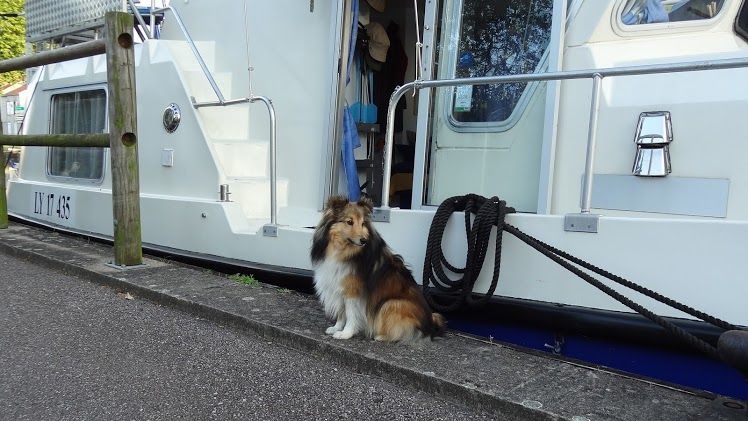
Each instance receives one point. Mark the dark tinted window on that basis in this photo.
(77, 113)
(741, 23)
(638, 12)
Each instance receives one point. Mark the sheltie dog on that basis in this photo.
(362, 285)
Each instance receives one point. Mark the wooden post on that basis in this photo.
(123, 139)
(3, 193)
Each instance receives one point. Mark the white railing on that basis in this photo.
(596, 75)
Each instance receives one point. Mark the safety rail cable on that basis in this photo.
(596, 75)
(492, 212)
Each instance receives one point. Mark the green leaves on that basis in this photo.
(12, 37)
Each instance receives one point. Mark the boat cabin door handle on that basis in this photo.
(654, 133)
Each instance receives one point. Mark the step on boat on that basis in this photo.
(613, 130)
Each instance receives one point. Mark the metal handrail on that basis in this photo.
(153, 18)
(595, 74)
(140, 20)
(273, 196)
(597, 82)
(221, 100)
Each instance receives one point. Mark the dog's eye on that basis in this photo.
(349, 221)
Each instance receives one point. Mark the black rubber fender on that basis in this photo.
(733, 349)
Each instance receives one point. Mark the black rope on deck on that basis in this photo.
(488, 213)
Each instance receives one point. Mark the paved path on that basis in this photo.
(71, 349)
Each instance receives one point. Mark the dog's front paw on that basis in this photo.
(342, 335)
(331, 330)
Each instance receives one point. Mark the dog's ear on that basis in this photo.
(336, 203)
(366, 203)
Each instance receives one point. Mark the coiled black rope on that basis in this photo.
(454, 293)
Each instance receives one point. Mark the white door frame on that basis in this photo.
(553, 91)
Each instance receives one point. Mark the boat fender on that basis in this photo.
(733, 349)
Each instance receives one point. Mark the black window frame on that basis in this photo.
(741, 21)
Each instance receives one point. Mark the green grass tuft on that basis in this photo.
(244, 279)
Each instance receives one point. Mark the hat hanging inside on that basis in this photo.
(379, 42)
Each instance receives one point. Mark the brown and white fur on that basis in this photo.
(362, 285)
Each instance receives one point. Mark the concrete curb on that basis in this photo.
(493, 378)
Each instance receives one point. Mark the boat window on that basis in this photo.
(76, 113)
(497, 37)
(638, 12)
(741, 24)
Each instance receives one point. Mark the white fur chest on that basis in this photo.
(328, 283)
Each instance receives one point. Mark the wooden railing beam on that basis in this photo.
(85, 49)
(63, 140)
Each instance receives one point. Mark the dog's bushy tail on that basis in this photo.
(435, 326)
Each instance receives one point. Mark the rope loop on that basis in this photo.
(481, 215)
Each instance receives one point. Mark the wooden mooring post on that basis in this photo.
(122, 138)
(3, 193)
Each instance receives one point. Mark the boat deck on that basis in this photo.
(513, 383)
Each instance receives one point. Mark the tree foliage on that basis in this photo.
(12, 37)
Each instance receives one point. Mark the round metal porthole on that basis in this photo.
(172, 117)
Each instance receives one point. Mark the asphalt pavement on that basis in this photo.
(72, 349)
(81, 339)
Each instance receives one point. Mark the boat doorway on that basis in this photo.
(383, 57)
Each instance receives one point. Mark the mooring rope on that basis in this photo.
(455, 293)
(488, 213)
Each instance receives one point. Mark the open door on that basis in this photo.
(384, 57)
(491, 139)
(335, 167)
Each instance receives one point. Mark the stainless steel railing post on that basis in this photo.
(389, 140)
(591, 142)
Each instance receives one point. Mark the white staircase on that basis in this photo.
(243, 162)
